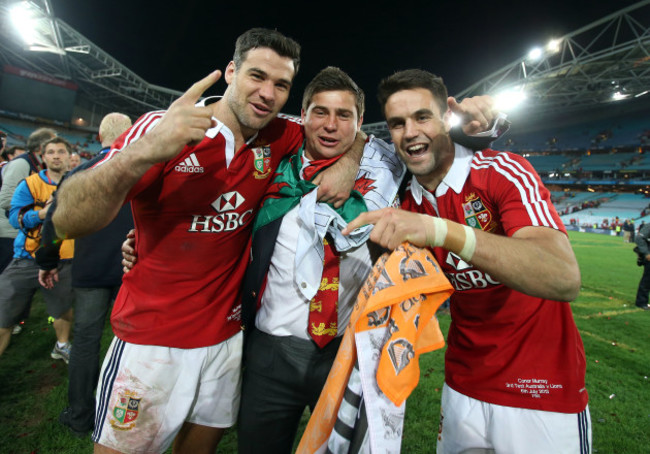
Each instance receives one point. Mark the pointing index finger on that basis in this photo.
(198, 88)
(369, 217)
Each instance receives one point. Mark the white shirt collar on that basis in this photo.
(224, 130)
(212, 132)
(455, 178)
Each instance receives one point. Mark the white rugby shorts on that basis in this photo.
(470, 426)
(146, 392)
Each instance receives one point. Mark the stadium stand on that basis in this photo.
(83, 141)
(586, 147)
(595, 208)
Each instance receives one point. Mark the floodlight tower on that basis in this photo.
(33, 38)
(607, 60)
(36, 24)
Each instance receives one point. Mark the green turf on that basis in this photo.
(615, 334)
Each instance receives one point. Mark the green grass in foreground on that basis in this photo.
(615, 335)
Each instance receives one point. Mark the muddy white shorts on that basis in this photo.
(470, 426)
(146, 392)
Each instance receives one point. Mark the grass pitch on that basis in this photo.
(33, 387)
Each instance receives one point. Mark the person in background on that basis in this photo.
(641, 241)
(19, 281)
(75, 160)
(96, 280)
(13, 173)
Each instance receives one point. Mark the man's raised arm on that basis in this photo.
(89, 200)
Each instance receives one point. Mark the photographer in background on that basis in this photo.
(643, 251)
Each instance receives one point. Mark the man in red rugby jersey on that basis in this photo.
(515, 363)
(194, 175)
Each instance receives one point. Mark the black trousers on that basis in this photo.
(281, 376)
(90, 310)
(6, 252)
(644, 286)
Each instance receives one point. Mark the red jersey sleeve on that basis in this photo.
(142, 126)
(294, 134)
(521, 197)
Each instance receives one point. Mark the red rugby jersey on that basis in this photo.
(504, 347)
(193, 217)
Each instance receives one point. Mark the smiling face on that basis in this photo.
(331, 123)
(259, 88)
(420, 134)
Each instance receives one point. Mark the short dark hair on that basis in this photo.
(332, 79)
(57, 140)
(38, 137)
(12, 151)
(410, 79)
(263, 37)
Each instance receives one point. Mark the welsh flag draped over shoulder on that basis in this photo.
(287, 189)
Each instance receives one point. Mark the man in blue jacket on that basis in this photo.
(19, 281)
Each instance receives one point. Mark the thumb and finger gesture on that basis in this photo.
(184, 123)
(476, 113)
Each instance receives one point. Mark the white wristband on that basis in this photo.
(470, 244)
(439, 231)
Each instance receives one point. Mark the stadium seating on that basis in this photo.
(610, 206)
(19, 130)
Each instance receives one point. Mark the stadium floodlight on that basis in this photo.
(508, 100)
(35, 28)
(617, 96)
(553, 46)
(22, 15)
(535, 54)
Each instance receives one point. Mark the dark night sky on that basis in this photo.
(174, 43)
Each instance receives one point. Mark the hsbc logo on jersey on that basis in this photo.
(228, 218)
(228, 201)
(465, 276)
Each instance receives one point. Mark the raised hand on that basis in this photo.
(184, 123)
(476, 113)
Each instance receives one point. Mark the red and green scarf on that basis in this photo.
(287, 189)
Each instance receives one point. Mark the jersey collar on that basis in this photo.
(224, 130)
(455, 178)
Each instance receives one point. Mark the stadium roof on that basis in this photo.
(62, 52)
(581, 69)
(605, 61)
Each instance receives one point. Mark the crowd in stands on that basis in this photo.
(583, 206)
(83, 143)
